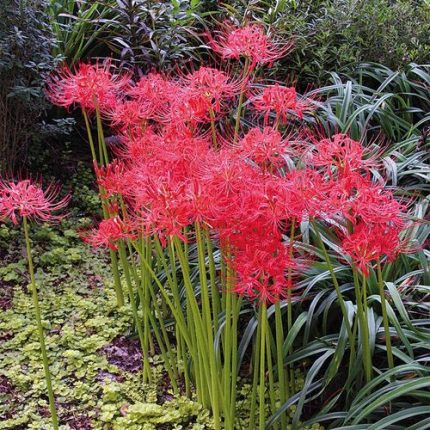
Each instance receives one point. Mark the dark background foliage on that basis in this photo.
(26, 46)
(330, 36)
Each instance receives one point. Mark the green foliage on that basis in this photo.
(80, 320)
(25, 57)
(140, 34)
(337, 35)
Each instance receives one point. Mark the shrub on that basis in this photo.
(25, 58)
(333, 35)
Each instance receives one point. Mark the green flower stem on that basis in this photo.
(364, 329)
(213, 129)
(385, 316)
(272, 392)
(203, 350)
(124, 262)
(217, 395)
(101, 138)
(255, 363)
(40, 330)
(90, 136)
(337, 288)
(162, 339)
(216, 305)
(262, 386)
(227, 351)
(240, 108)
(236, 305)
(282, 380)
(292, 377)
(114, 260)
(146, 302)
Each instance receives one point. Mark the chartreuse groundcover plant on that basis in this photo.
(26, 201)
(224, 205)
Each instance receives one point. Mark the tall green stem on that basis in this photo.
(262, 387)
(114, 260)
(124, 262)
(241, 99)
(385, 316)
(207, 320)
(40, 330)
(337, 288)
(283, 384)
(255, 363)
(364, 329)
(290, 304)
(90, 136)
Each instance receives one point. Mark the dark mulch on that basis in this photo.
(124, 353)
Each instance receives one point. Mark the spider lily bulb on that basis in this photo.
(27, 199)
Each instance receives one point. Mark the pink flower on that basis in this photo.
(91, 86)
(108, 233)
(370, 242)
(27, 199)
(264, 146)
(250, 42)
(283, 101)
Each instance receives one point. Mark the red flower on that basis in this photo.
(265, 147)
(370, 242)
(283, 101)
(211, 84)
(155, 92)
(28, 199)
(307, 194)
(108, 233)
(261, 262)
(129, 115)
(250, 42)
(90, 85)
(343, 153)
(112, 178)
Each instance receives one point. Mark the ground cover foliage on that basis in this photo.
(174, 329)
(96, 376)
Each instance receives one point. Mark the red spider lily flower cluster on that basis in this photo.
(280, 100)
(90, 86)
(108, 233)
(27, 199)
(250, 194)
(250, 42)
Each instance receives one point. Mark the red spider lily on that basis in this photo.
(342, 153)
(161, 210)
(283, 101)
(91, 86)
(250, 42)
(212, 85)
(129, 115)
(112, 178)
(370, 242)
(108, 233)
(265, 146)
(261, 261)
(27, 199)
(307, 194)
(155, 92)
(374, 204)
